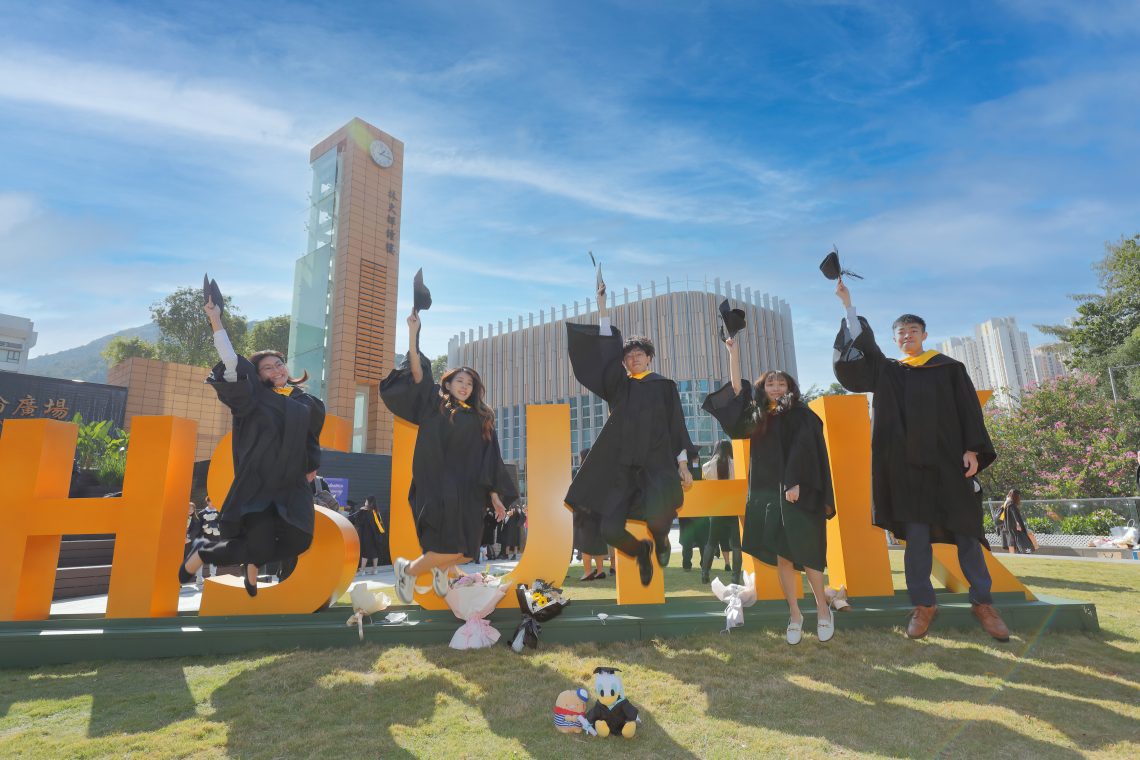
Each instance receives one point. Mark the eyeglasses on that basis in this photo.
(271, 365)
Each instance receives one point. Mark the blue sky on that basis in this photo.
(969, 158)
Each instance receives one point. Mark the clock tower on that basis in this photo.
(342, 330)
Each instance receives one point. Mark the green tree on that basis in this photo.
(120, 349)
(438, 366)
(186, 336)
(1064, 440)
(270, 334)
(1106, 321)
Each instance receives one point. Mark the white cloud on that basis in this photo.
(1107, 18)
(210, 110)
(15, 209)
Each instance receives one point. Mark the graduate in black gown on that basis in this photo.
(1016, 538)
(928, 441)
(371, 533)
(638, 466)
(790, 496)
(268, 513)
(457, 469)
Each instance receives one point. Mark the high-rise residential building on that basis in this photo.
(997, 358)
(344, 288)
(1008, 357)
(969, 352)
(17, 337)
(526, 362)
(1048, 364)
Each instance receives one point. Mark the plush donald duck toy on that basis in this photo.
(612, 713)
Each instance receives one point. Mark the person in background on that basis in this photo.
(724, 532)
(1016, 537)
(371, 531)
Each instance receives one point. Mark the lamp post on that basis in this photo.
(1112, 381)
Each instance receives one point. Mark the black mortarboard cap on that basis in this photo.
(831, 269)
(733, 319)
(607, 670)
(211, 292)
(421, 296)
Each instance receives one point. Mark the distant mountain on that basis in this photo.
(85, 362)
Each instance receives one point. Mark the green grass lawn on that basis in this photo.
(748, 694)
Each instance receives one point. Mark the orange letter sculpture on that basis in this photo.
(148, 520)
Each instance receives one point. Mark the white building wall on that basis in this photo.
(17, 337)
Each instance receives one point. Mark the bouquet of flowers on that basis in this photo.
(472, 598)
(538, 604)
(735, 597)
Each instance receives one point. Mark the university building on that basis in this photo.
(525, 362)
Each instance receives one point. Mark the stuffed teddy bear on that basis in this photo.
(570, 712)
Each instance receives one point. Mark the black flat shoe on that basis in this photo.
(588, 577)
(250, 588)
(601, 576)
(645, 562)
(184, 575)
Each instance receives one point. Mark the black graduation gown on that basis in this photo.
(787, 451)
(640, 441)
(615, 717)
(924, 419)
(511, 533)
(1013, 530)
(276, 442)
(371, 539)
(454, 470)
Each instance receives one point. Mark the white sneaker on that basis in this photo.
(825, 629)
(795, 632)
(440, 582)
(405, 585)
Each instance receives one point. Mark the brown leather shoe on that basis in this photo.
(920, 620)
(991, 621)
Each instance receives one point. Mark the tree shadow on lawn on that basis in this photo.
(116, 690)
(291, 707)
(851, 690)
(526, 714)
(1040, 582)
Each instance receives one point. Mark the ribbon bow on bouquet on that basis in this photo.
(837, 598)
(364, 604)
(736, 597)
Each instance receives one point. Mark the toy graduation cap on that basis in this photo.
(831, 269)
(733, 319)
(601, 284)
(211, 292)
(606, 670)
(421, 296)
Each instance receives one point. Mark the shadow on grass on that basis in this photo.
(1040, 582)
(529, 721)
(114, 706)
(906, 699)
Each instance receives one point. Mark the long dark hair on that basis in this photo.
(787, 401)
(450, 405)
(1013, 497)
(722, 458)
(256, 358)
